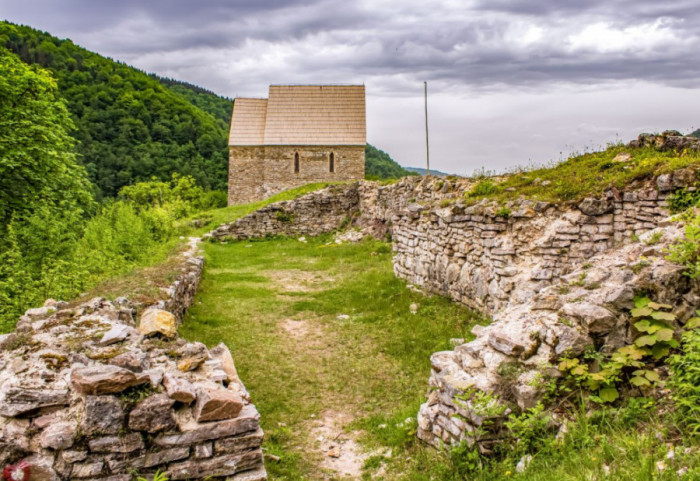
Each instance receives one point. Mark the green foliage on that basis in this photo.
(156, 477)
(588, 174)
(629, 364)
(483, 188)
(180, 197)
(379, 165)
(683, 199)
(530, 429)
(685, 377)
(504, 212)
(37, 163)
(130, 126)
(283, 216)
(686, 251)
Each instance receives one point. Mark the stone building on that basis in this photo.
(298, 135)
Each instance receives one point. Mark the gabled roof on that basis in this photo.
(248, 122)
(302, 115)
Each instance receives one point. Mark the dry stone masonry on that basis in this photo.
(556, 278)
(312, 214)
(85, 393)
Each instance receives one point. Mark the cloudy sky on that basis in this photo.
(511, 82)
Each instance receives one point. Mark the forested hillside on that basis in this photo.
(130, 126)
(380, 165)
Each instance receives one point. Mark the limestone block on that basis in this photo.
(179, 389)
(127, 443)
(153, 414)
(104, 379)
(217, 404)
(158, 321)
(102, 415)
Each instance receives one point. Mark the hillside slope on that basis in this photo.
(380, 165)
(130, 127)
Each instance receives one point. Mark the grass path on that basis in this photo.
(325, 340)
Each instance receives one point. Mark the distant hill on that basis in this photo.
(380, 165)
(695, 134)
(421, 171)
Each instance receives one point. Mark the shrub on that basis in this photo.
(483, 188)
(683, 199)
(685, 378)
(686, 251)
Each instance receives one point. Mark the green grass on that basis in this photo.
(372, 366)
(584, 175)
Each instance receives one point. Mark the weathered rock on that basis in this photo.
(104, 379)
(592, 206)
(192, 356)
(596, 318)
(193, 432)
(239, 443)
(59, 435)
(257, 474)
(222, 353)
(117, 444)
(179, 389)
(225, 465)
(19, 401)
(103, 415)
(74, 456)
(158, 321)
(148, 460)
(87, 469)
(117, 333)
(206, 450)
(217, 404)
(41, 466)
(153, 414)
(134, 360)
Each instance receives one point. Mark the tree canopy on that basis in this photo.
(37, 163)
(130, 126)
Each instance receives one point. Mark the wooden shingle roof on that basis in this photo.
(302, 115)
(248, 122)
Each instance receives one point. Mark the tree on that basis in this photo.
(37, 162)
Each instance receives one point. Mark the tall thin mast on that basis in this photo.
(427, 146)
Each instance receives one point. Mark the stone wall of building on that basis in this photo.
(259, 172)
(86, 394)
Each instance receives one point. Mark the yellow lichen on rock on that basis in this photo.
(158, 321)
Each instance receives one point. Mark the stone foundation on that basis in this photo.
(85, 394)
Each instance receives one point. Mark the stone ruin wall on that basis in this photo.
(258, 172)
(311, 214)
(87, 395)
(555, 277)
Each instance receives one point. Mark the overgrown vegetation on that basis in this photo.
(584, 175)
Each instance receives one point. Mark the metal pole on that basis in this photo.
(427, 146)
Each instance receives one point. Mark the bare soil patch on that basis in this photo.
(341, 454)
(294, 280)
